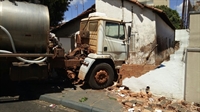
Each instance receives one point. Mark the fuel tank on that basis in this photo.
(28, 25)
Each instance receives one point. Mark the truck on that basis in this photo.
(28, 51)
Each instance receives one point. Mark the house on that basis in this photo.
(152, 38)
(155, 2)
(152, 32)
(150, 28)
(66, 31)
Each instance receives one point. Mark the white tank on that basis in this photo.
(28, 25)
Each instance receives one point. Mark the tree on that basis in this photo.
(172, 15)
(56, 9)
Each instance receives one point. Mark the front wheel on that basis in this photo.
(101, 76)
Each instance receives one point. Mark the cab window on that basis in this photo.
(115, 30)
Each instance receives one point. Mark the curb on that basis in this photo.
(71, 104)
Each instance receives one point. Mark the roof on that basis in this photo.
(87, 12)
(156, 10)
(92, 9)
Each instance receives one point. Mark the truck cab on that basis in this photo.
(107, 38)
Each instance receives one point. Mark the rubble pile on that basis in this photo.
(145, 101)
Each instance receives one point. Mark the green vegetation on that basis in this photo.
(172, 15)
(56, 9)
(83, 99)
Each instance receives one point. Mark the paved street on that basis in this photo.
(23, 96)
(12, 105)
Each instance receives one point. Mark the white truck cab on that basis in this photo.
(107, 37)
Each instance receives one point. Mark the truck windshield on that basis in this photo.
(115, 30)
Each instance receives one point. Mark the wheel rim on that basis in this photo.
(101, 77)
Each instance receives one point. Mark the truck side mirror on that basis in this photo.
(129, 31)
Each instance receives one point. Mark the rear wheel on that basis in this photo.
(101, 76)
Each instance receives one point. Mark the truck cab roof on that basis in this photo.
(101, 18)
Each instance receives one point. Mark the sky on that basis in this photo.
(78, 6)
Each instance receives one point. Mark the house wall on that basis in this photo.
(68, 29)
(66, 43)
(165, 37)
(143, 28)
(155, 2)
(161, 2)
(147, 2)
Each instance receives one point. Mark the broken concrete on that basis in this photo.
(147, 102)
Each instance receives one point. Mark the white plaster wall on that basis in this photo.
(112, 8)
(169, 79)
(143, 28)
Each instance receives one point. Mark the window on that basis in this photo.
(83, 25)
(89, 25)
(115, 30)
(93, 26)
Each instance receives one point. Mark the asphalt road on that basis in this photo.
(23, 96)
(12, 105)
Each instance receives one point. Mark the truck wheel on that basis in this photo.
(101, 76)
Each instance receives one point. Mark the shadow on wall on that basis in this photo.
(164, 51)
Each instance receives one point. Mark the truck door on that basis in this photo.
(114, 43)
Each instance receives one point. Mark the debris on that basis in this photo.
(146, 110)
(156, 110)
(129, 104)
(83, 99)
(110, 88)
(145, 101)
(52, 106)
(131, 110)
(161, 98)
(122, 95)
(133, 94)
(121, 88)
(197, 104)
(165, 102)
(151, 100)
(124, 91)
(184, 103)
(133, 105)
(139, 103)
(198, 109)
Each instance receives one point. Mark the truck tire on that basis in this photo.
(101, 76)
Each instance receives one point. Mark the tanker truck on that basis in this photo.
(28, 51)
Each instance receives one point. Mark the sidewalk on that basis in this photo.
(85, 100)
